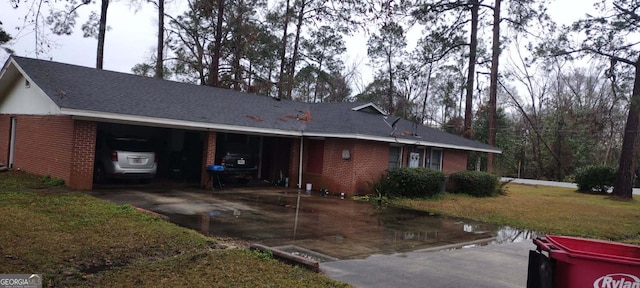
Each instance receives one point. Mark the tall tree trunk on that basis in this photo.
(390, 89)
(426, 95)
(623, 186)
(283, 52)
(238, 48)
(101, 33)
(160, 57)
(493, 88)
(296, 45)
(237, 73)
(473, 47)
(315, 89)
(214, 70)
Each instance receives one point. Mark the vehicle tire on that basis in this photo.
(99, 176)
(244, 181)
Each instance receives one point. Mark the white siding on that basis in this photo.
(26, 99)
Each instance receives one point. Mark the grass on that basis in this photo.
(552, 210)
(76, 240)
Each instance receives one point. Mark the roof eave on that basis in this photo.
(401, 141)
(192, 125)
(172, 123)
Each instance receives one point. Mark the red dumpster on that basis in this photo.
(579, 262)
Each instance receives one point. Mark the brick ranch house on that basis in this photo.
(52, 113)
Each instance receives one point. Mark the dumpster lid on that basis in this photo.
(598, 248)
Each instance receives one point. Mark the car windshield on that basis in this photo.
(129, 144)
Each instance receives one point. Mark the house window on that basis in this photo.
(435, 159)
(395, 156)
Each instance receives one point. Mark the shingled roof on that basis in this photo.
(101, 95)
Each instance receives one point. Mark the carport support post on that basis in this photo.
(300, 164)
(83, 155)
(208, 158)
(294, 160)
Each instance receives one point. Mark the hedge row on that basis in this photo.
(475, 183)
(412, 182)
(425, 183)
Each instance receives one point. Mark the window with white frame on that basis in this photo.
(395, 156)
(435, 159)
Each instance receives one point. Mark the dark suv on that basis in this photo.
(240, 165)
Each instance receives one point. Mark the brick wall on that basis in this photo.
(208, 157)
(373, 161)
(83, 155)
(369, 160)
(454, 160)
(43, 144)
(338, 174)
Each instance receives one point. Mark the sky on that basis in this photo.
(132, 36)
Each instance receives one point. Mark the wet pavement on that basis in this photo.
(359, 243)
(327, 226)
(493, 266)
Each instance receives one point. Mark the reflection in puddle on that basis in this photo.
(340, 228)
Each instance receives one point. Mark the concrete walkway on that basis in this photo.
(503, 265)
(636, 191)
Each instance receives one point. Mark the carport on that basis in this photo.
(270, 154)
(181, 152)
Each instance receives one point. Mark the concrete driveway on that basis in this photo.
(494, 266)
(364, 245)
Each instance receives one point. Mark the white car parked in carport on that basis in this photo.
(124, 158)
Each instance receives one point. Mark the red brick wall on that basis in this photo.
(338, 174)
(44, 145)
(369, 160)
(372, 160)
(83, 155)
(5, 128)
(208, 157)
(454, 160)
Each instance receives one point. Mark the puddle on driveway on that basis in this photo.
(331, 226)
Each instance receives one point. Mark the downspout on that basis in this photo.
(300, 164)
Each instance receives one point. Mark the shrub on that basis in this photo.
(475, 183)
(412, 182)
(595, 179)
(52, 182)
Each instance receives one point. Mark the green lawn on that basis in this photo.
(77, 240)
(553, 210)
